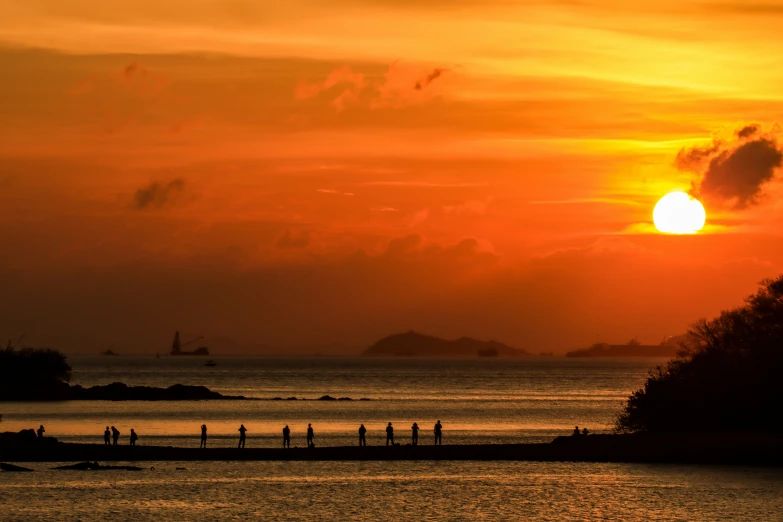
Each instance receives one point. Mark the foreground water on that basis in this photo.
(395, 491)
(477, 400)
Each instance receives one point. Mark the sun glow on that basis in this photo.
(679, 213)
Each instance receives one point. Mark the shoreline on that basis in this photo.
(752, 450)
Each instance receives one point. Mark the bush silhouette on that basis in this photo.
(725, 378)
(32, 373)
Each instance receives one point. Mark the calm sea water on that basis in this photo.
(477, 400)
(394, 491)
(484, 400)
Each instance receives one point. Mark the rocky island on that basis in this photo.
(414, 344)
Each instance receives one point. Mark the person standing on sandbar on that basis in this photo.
(415, 434)
(438, 434)
(203, 443)
(286, 437)
(115, 435)
(133, 437)
(242, 430)
(310, 436)
(362, 436)
(389, 434)
(107, 437)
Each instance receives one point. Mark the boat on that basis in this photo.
(176, 347)
(210, 363)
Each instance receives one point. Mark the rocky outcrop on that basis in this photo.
(117, 391)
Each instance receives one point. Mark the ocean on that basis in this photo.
(477, 401)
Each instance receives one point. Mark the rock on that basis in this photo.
(11, 467)
(116, 391)
(95, 466)
(327, 398)
(24, 438)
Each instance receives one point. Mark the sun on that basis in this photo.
(679, 213)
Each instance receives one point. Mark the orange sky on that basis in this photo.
(296, 173)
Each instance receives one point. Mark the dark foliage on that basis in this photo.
(33, 365)
(725, 378)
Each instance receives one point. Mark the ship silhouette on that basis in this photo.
(176, 347)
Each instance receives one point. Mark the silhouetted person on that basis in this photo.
(362, 436)
(115, 435)
(585, 432)
(438, 434)
(242, 430)
(133, 437)
(107, 437)
(389, 434)
(415, 434)
(41, 431)
(310, 436)
(286, 437)
(576, 431)
(203, 443)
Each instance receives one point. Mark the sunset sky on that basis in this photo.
(303, 173)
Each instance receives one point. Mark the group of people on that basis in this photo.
(414, 434)
(113, 436)
(438, 430)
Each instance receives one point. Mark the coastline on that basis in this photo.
(740, 449)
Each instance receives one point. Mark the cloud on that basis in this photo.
(748, 130)
(734, 173)
(290, 239)
(431, 77)
(159, 195)
(347, 88)
(335, 192)
(468, 208)
(384, 209)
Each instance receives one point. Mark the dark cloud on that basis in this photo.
(158, 195)
(290, 239)
(734, 173)
(748, 131)
(739, 174)
(431, 77)
(693, 160)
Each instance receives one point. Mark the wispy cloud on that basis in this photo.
(159, 195)
(419, 184)
(584, 201)
(335, 192)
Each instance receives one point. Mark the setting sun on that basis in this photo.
(679, 213)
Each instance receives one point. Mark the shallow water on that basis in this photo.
(395, 491)
(477, 400)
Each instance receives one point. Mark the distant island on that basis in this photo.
(414, 344)
(633, 348)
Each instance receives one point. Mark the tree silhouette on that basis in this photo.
(726, 376)
(32, 372)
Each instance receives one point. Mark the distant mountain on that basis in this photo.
(413, 344)
(667, 348)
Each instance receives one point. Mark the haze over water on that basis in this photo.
(478, 400)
